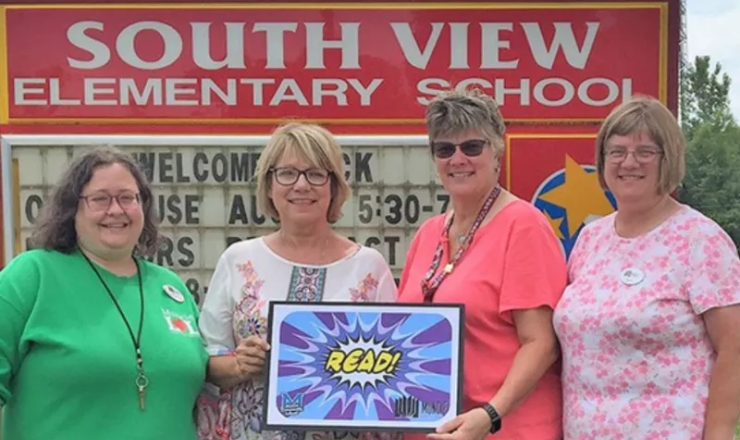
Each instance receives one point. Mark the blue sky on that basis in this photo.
(713, 28)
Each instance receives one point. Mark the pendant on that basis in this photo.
(461, 238)
(141, 383)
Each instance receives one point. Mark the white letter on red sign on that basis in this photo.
(258, 85)
(611, 86)
(209, 87)
(564, 36)
(338, 89)
(22, 89)
(414, 55)
(288, 90)
(366, 93)
(55, 94)
(568, 92)
(97, 86)
(464, 84)
(459, 45)
(522, 91)
(424, 87)
(234, 58)
(151, 94)
(349, 44)
(99, 51)
(491, 45)
(176, 87)
(170, 37)
(275, 42)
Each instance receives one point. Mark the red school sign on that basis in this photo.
(369, 66)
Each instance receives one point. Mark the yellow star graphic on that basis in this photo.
(581, 196)
(555, 224)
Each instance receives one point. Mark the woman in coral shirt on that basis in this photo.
(499, 257)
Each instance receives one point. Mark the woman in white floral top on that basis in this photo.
(300, 181)
(650, 323)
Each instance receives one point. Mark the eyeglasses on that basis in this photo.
(641, 155)
(102, 201)
(289, 176)
(470, 148)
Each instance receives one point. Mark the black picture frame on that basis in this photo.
(270, 408)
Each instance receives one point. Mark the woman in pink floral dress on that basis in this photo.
(300, 181)
(650, 322)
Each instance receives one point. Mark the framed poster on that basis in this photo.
(362, 366)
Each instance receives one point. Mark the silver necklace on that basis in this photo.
(459, 236)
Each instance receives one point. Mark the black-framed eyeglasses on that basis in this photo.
(102, 201)
(470, 148)
(289, 176)
(641, 155)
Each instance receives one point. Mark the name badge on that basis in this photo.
(173, 293)
(632, 276)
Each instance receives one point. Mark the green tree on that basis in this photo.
(705, 96)
(712, 181)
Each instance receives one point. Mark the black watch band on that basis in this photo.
(495, 417)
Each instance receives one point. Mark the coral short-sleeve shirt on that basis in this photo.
(514, 262)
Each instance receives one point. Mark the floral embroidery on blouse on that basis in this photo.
(248, 405)
(307, 284)
(364, 290)
(248, 319)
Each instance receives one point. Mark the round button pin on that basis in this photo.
(632, 276)
(173, 293)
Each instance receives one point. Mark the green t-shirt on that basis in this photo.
(67, 361)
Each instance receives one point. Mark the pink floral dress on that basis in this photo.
(637, 358)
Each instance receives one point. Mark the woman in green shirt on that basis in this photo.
(95, 341)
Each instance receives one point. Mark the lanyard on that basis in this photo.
(141, 380)
(429, 289)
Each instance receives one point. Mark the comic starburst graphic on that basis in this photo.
(362, 363)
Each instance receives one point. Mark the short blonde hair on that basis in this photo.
(644, 114)
(314, 144)
(456, 111)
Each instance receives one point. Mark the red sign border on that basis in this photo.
(5, 118)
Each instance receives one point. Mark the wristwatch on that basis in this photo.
(495, 417)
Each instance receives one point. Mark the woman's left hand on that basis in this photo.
(472, 425)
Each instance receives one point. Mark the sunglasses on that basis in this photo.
(470, 148)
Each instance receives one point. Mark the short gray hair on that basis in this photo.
(456, 111)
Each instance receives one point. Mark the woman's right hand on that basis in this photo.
(246, 361)
(250, 356)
